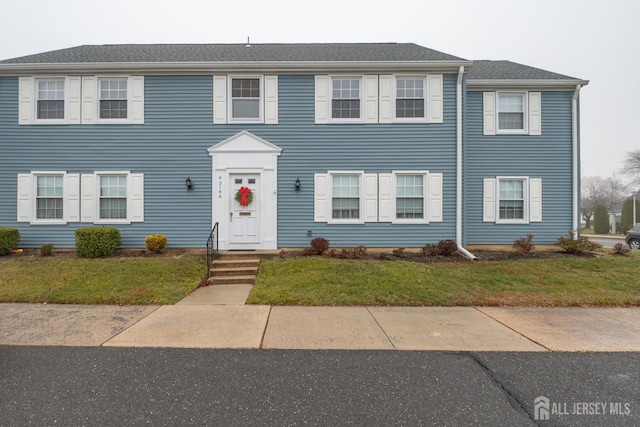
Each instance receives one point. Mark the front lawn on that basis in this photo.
(114, 280)
(579, 281)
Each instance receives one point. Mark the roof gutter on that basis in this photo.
(235, 66)
(557, 84)
(459, 185)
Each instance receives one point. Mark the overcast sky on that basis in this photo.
(593, 40)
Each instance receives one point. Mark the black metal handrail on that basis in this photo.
(212, 248)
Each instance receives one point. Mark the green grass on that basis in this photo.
(606, 281)
(130, 280)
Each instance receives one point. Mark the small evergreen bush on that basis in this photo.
(523, 245)
(600, 220)
(319, 246)
(576, 246)
(9, 239)
(93, 242)
(155, 242)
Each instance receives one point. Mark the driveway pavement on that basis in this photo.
(357, 328)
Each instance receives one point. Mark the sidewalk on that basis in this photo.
(296, 327)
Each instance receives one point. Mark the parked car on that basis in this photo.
(633, 237)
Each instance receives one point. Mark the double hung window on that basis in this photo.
(50, 99)
(345, 98)
(410, 97)
(511, 199)
(245, 99)
(49, 197)
(511, 109)
(113, 197)
(113, 95)
(345, 197)
(410, 196)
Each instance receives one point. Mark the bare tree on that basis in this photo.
(600, 191)
(631, 167)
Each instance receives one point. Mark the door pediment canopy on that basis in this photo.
(244, 142)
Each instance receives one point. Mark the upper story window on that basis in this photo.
(49, 197)
(410, 98)
(50, 98)
(511, 108)
(113, 98)
(245, 99)
(345, 99)
(512, 113)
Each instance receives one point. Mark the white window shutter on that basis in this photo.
(26, 108)
(370, 197)
(322, 99)
(25, 188)
(321, 197)
(72, 197)
(219, 99)
(435, 107)
(489, 112)
(88, 197)
(136, 100)
(435, 197)
(89, 92)
(73, 100)
(385, 195)
(535, 200)
(535, 113)
(371, 99)
(136, 197)
(386, 99)
(271, 100)
(489, 200)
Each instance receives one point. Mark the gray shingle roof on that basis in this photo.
(158, 53)
(507, 70)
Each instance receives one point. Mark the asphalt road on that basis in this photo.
(607, 242)
(122, 386)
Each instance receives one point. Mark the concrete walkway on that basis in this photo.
(205, 325)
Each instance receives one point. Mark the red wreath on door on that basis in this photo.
(244, 196)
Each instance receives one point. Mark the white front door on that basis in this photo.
(244, 215)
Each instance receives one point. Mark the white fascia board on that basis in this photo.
(262, 66)
(488, 84)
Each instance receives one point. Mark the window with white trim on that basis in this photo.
(113, 98)
(50, 99)
(410, 196)
(49, 197)
(345, 197)
(113, 197)
(345, 98)
(512, 200)
(410, 97)
(511, 196)
(246, 98)
(511, 112)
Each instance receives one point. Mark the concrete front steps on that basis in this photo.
(238, 267)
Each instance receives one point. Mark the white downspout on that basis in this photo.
(462, 250)
(576, 173)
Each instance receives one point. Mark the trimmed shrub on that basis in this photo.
(430, 250)
(9, 239)
(46, 249)
(572, 245)
(93, 242)
(155, 242)
(626, 220)
(600, 220)
(523, 245)
(353, 253)
(319, 246)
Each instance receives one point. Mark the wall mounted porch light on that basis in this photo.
(189, 184)
(297, 184)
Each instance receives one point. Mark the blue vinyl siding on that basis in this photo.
(548, 156)
(172, 144)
